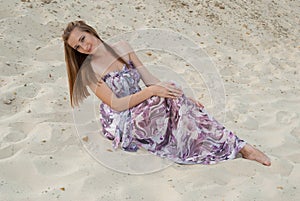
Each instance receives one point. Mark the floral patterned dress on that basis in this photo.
(174, 128)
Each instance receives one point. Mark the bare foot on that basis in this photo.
(251, 153)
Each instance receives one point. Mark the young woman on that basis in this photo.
(158, 118)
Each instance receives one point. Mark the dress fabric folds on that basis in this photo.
(174, 128)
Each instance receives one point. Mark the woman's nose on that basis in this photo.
(85, 46)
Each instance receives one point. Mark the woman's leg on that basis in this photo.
(251, 153)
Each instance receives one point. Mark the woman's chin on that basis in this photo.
(95, 50)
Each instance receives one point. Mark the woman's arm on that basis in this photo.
(147, 77)
(104, 93)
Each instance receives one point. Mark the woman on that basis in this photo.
(159, 117)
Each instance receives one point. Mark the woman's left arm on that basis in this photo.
(147, 77)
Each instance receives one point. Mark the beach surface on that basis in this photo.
(248, 78)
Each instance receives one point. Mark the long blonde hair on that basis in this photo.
(74, 60)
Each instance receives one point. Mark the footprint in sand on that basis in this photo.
(7, 151)
(14, 136)
(296, 132)
(10, 150)
(285, 117)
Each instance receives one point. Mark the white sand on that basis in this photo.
(255, 48)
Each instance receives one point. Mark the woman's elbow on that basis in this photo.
(118, 107)
(114, 103)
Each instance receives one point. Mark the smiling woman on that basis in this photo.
(158, 118)
(82, 41)
(72, 35)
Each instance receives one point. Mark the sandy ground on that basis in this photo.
(254, 46)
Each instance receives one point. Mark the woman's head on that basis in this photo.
(81, 37)
(77, 50)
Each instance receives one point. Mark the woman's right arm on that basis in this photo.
(104, 93)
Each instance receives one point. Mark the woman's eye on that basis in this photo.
(82, 39)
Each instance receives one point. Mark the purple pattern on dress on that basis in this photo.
(174, 128)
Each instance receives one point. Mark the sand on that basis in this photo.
(254, 49)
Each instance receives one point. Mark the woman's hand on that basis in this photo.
(196, 102)
(165, 90)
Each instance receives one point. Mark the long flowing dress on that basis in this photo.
(174, 128)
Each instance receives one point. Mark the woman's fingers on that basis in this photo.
(173, 89)
(169, 90)
(170, 86)
(197, 103)
(200, 105)
(174, 93)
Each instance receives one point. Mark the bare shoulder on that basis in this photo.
(122, 47)
(121, 42)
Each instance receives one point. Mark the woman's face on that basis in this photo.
(82, 41)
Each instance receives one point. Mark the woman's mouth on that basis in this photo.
(90, 48)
